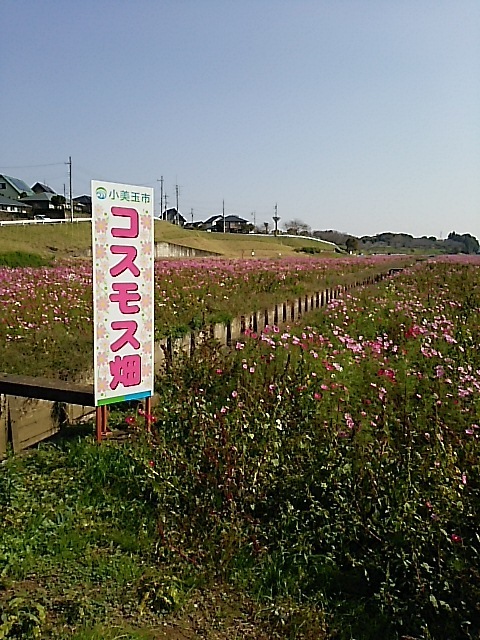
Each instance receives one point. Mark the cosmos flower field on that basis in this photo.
(46, 313)
(341, 459)
(328, 470)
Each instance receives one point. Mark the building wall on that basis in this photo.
(167, 250)
(7, 190)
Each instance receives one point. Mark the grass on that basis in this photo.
(74, 240)
(79, 554)
(15, 259)
(232, 244)
(48, 240)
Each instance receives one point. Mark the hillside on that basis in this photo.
(233, 244)
(67, 240)
(403, 243)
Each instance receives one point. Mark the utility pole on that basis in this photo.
(276, 219)
(254, 220)
(70, 181)
(191, 213)
(161, 198)
(223, 214)
(177, 214)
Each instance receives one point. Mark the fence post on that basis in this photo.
(236, 329)
(3, 425)
(228, 329)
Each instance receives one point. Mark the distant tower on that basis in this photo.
(276, 219)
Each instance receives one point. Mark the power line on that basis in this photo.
(35, 166)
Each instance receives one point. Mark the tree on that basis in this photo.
(469, 242)
(58, 201)
(297, 227)
(351, 244)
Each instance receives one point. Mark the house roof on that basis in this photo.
(39, 187)
(38, 197)
(212, 219)
(83, 199)
(172, 213)
(17, 203)
(233, 218)
(19, 185)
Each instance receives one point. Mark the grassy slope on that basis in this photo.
(233, 245)
(50, 240)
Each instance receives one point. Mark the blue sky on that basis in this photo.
(356, 115)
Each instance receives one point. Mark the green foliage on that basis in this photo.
(308, 250)
(369, 519)
(21, 618)
(468, 242)
(351, 244)
(14, 259)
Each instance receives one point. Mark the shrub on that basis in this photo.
(14, 259)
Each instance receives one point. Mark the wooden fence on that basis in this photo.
(32, 409)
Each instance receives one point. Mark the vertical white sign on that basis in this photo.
(122, 233)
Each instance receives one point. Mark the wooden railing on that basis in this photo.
(46, 389)
(24, 421)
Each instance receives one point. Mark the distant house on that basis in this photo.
(38, 187)
(13, 209)
(14, 188)
(193, 225)
(209, 225)
(231, 224)
(83, 204)
(174, 216)
(42, 204)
